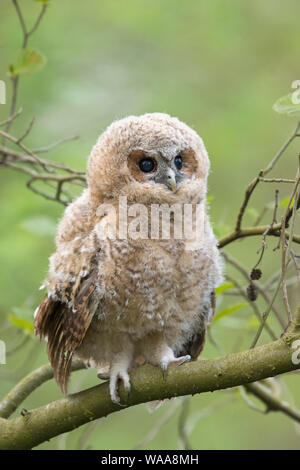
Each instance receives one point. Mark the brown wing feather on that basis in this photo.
(196, 344)
(65, 328)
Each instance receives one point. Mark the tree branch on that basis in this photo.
(272, 402)
(252, 231)
(26, 386)
(70, 412)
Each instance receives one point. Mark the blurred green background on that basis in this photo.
(219, 66)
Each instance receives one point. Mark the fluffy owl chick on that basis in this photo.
(117, 295)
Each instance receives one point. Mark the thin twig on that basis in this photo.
(15, 78)
(172, 407)
(253, 305)
(12, 117)
(27, 131)
(272, 402)
(260, 289)
(55, 144)
(286, 250)
(277, 180)
(22, 22)
(182, 421)
(38, 20)
(251, 186)
(90, 428)
(282, 150)
(274, 221)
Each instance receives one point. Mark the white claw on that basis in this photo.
(113, 385)
(170, 359)
(183, 359)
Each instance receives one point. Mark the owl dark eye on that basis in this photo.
(147, 164)
(178, 162)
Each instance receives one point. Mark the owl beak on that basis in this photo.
(171, 182)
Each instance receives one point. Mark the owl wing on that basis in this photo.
(65, 327)
(66, 311)
(195, 345)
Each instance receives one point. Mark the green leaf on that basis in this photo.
(43, 1)
(223, 287)
(254, 322)
(284, 202)
(23, 312)
(27, 61)
(252, 213)
(287, 105)
(40, 225)
(22, 323)
(22, 317)
(220, 230)
(229, 310)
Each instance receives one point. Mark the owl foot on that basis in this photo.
(103, 375)
(115, 375)
(167, 360)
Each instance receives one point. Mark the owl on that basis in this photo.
(117, 300)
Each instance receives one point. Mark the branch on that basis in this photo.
(72, 411)
(15, 79)
(251, 186)
(23, 389)
(257, 285)
(253, 231)
(253, 305)
(272, 402)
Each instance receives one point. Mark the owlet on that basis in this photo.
(136, 263)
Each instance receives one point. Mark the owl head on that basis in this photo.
(149, 158)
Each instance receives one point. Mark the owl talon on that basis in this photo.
(183, 359)
(166, 361)
(164, 369)
(113, 386)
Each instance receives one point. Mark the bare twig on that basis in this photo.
(281, 151)
(277, 180)
(12, 117)
(172, 408)
(272, 402)
(55, 144)
(249, 402)
(83, 440)
(249, 190)
(182, 421)
(251, 186)
(274, 221)
(286, 250)
(293, 256)
(253, 305)
(27, 33)
(15, 78)
(27, 131)
(37, 22)
(260, 289)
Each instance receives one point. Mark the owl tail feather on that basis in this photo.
(50, 323)
(65, 328)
